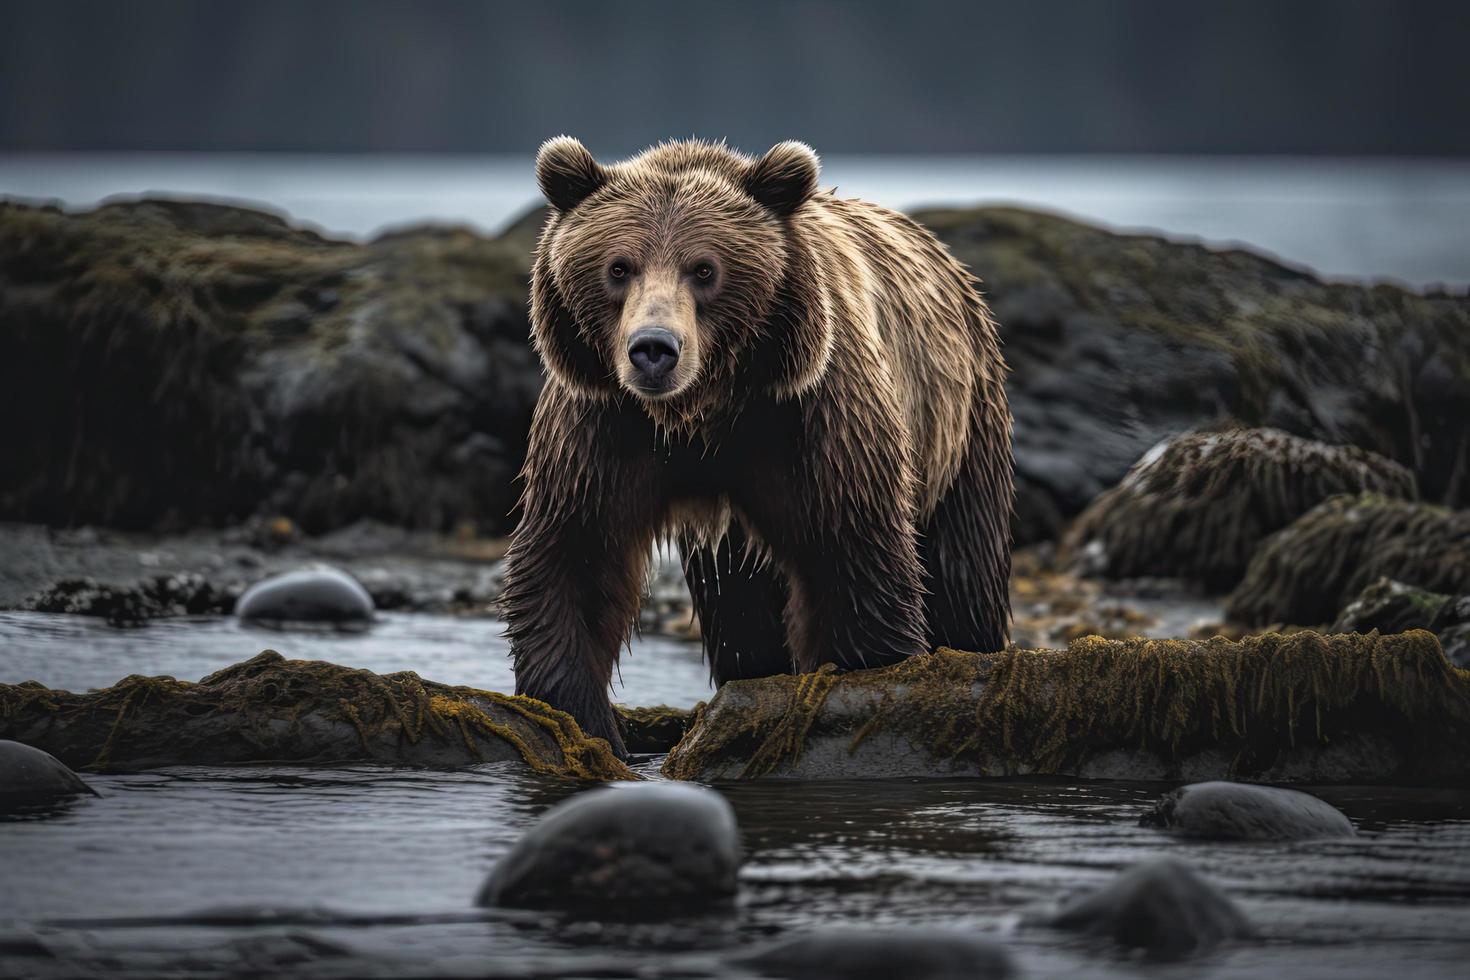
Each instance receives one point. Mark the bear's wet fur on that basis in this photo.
(806, 392)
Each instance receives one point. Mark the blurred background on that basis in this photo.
(1328, 132)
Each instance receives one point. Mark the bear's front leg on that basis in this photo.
(576, 564)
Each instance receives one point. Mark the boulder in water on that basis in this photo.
(27, 773)
(308, 595)
(623, 851)
(1160, 908)
(1241, 811)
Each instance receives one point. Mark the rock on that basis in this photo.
(185, 594)
(1278, 708)
(269, 709)
(882, 954)
(1116, 342)
(1196, 506)
(1240, 811)
(275, 372)
(1308, 571)
(1159, 907)
(308, 595)
(1393, 607)
(27, 773)
(623, 851)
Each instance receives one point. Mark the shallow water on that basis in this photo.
(364, 870)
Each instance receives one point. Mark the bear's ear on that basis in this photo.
(784, 178)
(567, 173)
(557, 338)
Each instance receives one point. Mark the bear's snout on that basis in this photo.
(653, 352)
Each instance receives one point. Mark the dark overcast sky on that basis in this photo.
(1166, 76)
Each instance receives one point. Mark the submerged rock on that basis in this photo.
(1240, 811)
(1307, 572)
(883, 954)
(269, 709)
(623, 851)
(1196, 507)
(1393, 607)
(1159, 907)
(27, 773)
(1116, 342)
(321, 595)
(1279, 708)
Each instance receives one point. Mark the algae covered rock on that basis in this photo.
(883, 954)
(210, 363)
(1308, 571)
(27, 773)
(316, 595)
(183, 594)
(1280, 708)
(621, 852)
(1239, 811)
(1393, 607)
(1160, 908)
(269, 709)
(1116, 342)
(1196, 507)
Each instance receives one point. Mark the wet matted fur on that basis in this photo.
(832, 450)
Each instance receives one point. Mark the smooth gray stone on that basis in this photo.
(308, 595)
(622, 848)
(914, 954)
(29, 773)
(1242, 811)
(1160, 907)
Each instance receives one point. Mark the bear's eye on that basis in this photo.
(704, 272)
(618, 270)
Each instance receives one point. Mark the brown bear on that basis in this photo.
(805, 392)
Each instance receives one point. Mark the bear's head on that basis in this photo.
(677, 272)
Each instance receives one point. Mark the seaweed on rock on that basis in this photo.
(1197, 506)
(269, 709)
(1247, 703)
(1307, 572)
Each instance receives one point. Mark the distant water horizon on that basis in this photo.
(1405, 221)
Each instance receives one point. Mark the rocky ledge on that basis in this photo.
(1302, 707)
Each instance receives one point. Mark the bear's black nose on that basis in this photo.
(654, 351)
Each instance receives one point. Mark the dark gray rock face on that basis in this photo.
(1394, 607)
(27, 773)
(619, 851)
(1160, 908)
(185, 594)
(1242, 811)
(210, 363)
(884, 954)
(1116, 342)
(308, 595)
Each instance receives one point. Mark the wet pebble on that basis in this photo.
(1242, 811)
(619, 850)
(1160, 908)
(914, 954)
(322, 594)
(27, 773)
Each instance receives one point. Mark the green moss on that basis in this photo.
(1050, 711)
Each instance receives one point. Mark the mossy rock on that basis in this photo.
(1393, 607)
(1197, 506)
(177, 364)
(1116, 342)
(1279, 708)
(269, 709)
(1307, 572)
